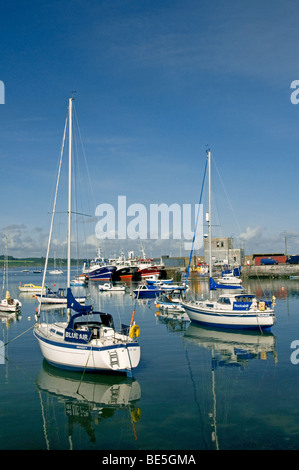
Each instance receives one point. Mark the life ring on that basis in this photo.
(262, 306)
(134, 331)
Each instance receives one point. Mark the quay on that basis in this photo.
(248, 271)
(175, 267)
(283, 270)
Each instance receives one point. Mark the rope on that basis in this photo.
(84, 373)
(21, 334)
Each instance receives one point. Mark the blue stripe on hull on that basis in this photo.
(81, 346)
(86, 369)
(229, 316)
(232, 327)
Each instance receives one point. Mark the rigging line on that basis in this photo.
(84, 155)
(52, 219)
(16, 337)
(83, 373)
(90, 200)
(72, 212)
(230, 204)
(5, 268)
(195, 228)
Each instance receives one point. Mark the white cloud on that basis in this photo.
(250, 234)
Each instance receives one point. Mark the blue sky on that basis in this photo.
(156, 82)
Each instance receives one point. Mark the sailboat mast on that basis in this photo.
(210, 220)
(69, 195)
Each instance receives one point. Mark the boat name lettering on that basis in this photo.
(241, 305)
(78, 336)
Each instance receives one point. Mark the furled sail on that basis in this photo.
(74, 305)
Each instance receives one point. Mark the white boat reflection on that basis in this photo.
(232, 348)
(174, 321)
(229, 349)
(88, 399)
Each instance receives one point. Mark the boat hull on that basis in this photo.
(57, 300)
(11, 307)
(147, 294)
(148, 272)
(93, 357)
(101, 274)
(229, 319)
(125, 273)
(31, 288)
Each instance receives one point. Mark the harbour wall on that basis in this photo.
(276, 270)
(283, 270)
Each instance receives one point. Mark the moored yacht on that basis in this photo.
(231, 310)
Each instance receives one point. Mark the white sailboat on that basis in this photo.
(88, 341)
(230, 310)
(8, 304)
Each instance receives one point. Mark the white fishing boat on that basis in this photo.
(232, 310)
(88, 341)
(108, 287)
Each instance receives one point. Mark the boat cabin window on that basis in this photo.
(244, 298)
(224, 300)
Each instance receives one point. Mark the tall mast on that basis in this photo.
(69, 195)
(210, 219)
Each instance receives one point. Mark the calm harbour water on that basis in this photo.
(195, 388)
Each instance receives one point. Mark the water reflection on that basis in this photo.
(232, 348)
(229, 350)
(8, 318)
(173, 320)
(88, 399)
